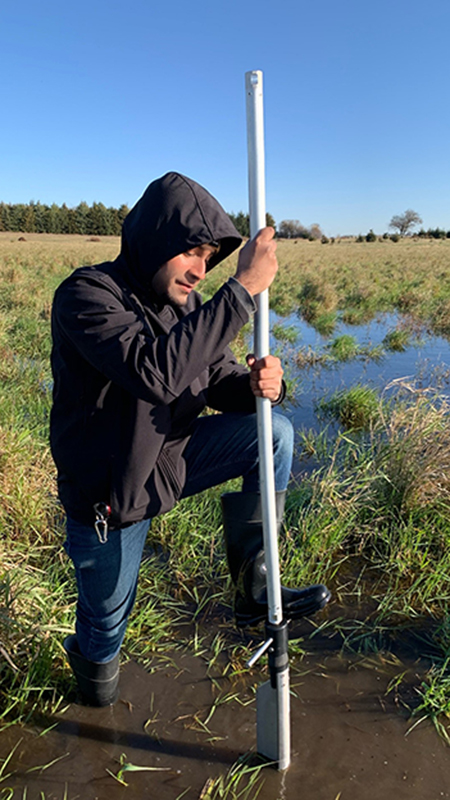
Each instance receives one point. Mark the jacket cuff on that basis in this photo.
(242, 295)
(281, 396)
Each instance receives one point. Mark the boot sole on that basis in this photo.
(244, 620)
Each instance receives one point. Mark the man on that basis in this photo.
(136, 359)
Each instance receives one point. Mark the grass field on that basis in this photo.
(373, 521)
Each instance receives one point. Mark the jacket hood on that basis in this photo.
(173, 215)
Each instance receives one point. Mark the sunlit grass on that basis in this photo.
(242, 782)
(355, 407)
(344, 347)
(285, 333)
(397, 340)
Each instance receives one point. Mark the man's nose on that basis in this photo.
(198, 268)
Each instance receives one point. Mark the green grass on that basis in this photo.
(397, 340)
(241, 782)
(285, 333)
(354, 408)
(340, 349)
(344, 348)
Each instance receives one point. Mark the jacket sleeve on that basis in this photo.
(229, 385)
(91, 314)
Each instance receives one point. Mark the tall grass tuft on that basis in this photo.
(354, 408)
(344, 347)
(397, 340)
(285, 333)
(413, 455)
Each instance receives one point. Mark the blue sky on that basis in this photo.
(99, 98)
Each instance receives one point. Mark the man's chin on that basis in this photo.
(178, 300)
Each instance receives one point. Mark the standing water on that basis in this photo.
(316, 367)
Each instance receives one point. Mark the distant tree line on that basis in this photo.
(241, 222)
(293, 229)
(409, 219)
(98, 220)
(433, 233)
(287, 229)
(94, 220)
(402, 225)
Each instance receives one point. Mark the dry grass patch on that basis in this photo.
(28, 504)
(414, 454)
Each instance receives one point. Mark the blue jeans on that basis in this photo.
(222, 447)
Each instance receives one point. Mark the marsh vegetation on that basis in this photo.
(371, 519)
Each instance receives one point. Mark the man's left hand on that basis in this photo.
(265, 376)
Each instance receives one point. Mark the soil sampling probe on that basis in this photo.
(272, 699)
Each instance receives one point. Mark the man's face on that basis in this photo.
(176, 279)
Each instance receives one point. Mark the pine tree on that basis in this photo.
(53, 219)
(40, 215)
(82, 218)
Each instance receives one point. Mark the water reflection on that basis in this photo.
(426, 360)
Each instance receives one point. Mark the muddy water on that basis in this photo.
(350, 738)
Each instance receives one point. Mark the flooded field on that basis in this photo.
(369, 677)
(175, 731)
(182, 728)
(423, 359)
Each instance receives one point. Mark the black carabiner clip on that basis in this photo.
(102, 512)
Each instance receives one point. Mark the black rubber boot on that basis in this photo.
(98, 683)
(242, 523)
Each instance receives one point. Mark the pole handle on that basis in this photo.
(258, 653)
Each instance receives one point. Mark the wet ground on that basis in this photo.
(352, 738)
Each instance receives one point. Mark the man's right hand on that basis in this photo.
(257, 264)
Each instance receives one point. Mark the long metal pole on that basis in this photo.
(273, 732)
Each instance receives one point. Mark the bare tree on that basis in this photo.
(293, 229)
(403, 222)
(290, 229)
(315, 231)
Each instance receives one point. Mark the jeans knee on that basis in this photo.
(283, 447)
(283, 435)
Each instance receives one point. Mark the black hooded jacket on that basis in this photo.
(130, 376)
